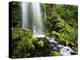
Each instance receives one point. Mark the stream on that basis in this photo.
(64, 50)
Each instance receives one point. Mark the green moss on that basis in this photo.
(55, 53)
(40, 44)
(34, 40)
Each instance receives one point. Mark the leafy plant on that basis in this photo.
(40, 44)
(22, 42)
(64, 32)
(55, 53)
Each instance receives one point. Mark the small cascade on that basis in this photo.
(66, 50)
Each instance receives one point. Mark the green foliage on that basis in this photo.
(67, 12)
(22, 42)
(40, 44)
(55, 53)
(55, 34)
(72, 13)
(15, 14)
(64, 32)
(61, 22)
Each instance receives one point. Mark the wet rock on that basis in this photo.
(66, 50)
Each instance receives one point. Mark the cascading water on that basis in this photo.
(31, 12)
(37, 23)
(24, 7)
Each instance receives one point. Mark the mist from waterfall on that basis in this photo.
(31, 16)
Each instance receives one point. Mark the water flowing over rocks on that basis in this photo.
(54, 45)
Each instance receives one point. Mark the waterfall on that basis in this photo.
(37, 20)
(24, 8)
(31, 18)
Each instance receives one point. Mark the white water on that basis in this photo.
(66, 50)
(35, 17)
(24, 8)
(37, 20)
(52, 40)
